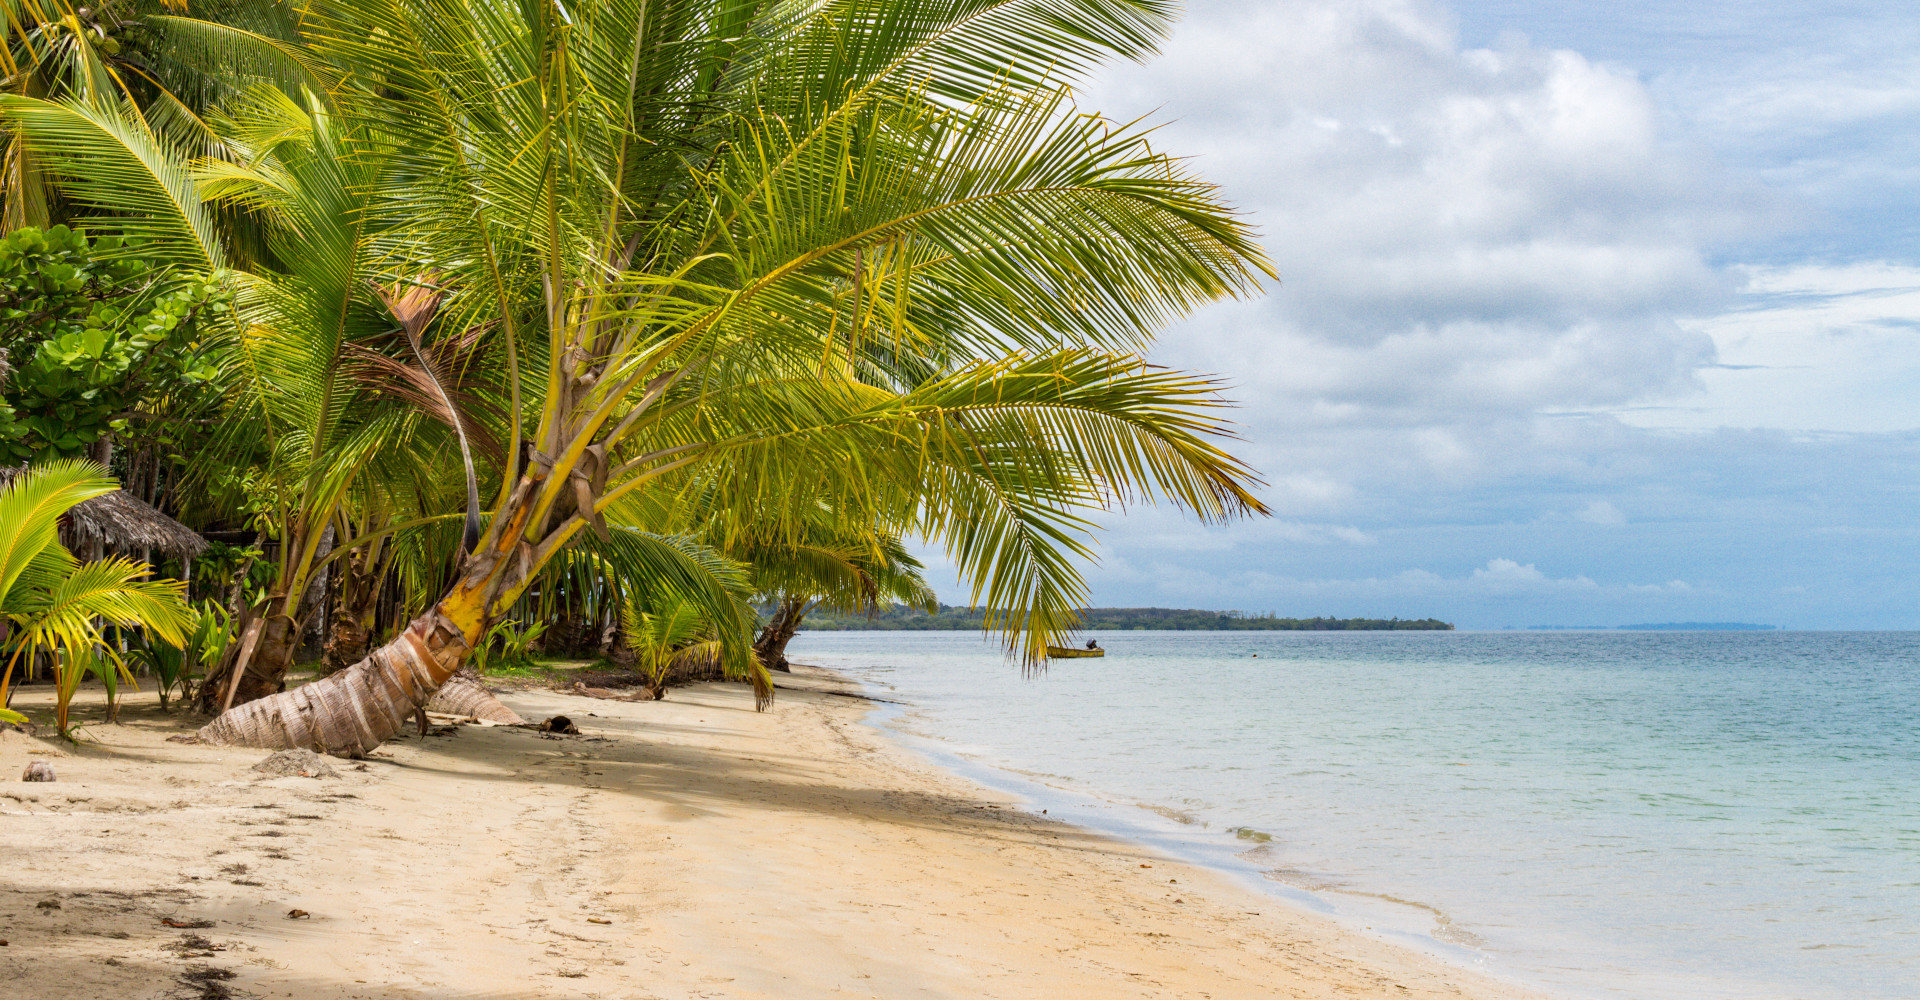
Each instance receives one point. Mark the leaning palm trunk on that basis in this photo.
(771, 646)
(349, 713)
(463, 694)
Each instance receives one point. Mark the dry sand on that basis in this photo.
(686, 848)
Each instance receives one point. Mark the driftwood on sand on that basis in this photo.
(608, 694)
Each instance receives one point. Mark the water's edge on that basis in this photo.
(1405, 923)
(1632, 816)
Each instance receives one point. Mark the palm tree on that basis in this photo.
(55, 604)
(664, 632)
(718, 240)
(154, 72)
(846, 571)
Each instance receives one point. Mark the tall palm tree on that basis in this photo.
(52, 602)
(720, 238)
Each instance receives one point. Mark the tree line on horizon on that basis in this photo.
(465, 324)
(948, 617)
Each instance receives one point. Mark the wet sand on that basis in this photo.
(677, 849)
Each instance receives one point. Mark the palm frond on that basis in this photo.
(30, 508)
(107, 160)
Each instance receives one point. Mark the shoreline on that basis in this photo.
(1401, 922)
(683, 848)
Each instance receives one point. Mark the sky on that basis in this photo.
(1589, 313)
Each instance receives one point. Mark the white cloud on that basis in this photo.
(1467, 237)
(1811, 347)
(1309, 491)
(1601, 512)
(1507, 575)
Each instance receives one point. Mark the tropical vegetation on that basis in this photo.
(609, 318)
(56, 606)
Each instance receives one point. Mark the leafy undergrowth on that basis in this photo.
(537, 674)
(541, 673)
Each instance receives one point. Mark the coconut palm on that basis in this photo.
(851, 572)
(714, 241)
(157, 74)
(55, 604)
(664, 631)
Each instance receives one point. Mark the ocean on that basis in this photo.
(1659, 815)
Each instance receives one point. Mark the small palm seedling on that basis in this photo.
(72, 669)
(167, 664)
(672, 633)
(176, 668)
(507, 645)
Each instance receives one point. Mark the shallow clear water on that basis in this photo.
(1659, 815)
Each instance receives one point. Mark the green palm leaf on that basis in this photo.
(108, 160)
(30, 509)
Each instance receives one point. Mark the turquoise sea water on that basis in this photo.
(1647, 815)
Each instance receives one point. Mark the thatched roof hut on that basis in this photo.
(123, 523)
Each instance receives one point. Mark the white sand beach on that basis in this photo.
(677, 849)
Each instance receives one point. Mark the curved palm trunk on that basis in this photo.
(465, 694)
(771, 646)
(349, 713)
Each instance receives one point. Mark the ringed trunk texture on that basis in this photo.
(353, 611)
(349, 713)
(465, 694)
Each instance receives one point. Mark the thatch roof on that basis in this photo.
(125, 523)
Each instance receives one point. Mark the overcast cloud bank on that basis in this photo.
(1560, 335)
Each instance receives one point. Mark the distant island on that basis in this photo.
(952, 618)
(1660, 627)
(1701, 627)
